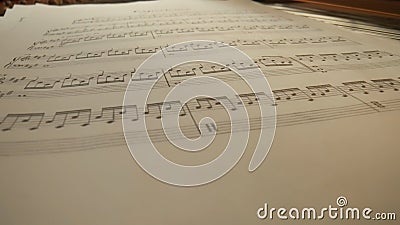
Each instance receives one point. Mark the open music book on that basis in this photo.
(65, 71)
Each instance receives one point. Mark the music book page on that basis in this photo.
(65, 71)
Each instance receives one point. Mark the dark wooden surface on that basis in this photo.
(4, 4)
(379, 13)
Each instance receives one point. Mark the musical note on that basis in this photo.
(206, 101)
(36, 84)
(89, 55)
(148, 76)
(75, 82)
(116, 52)
(146, 50)
(179, 73)
(223, 100)
(14, 80)
(81, 116)
(323, 90)
(33, 121)
(275, 61)
(290, 94)
(387, 83)
(359, 86)
(244, 66)
(108, 78)
(156, 109)
(59, 58)
(111, 114)
(6, 94)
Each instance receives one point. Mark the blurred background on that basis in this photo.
(376, 17)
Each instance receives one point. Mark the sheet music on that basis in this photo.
(62, 147)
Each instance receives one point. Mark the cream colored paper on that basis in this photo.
(63, 157)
